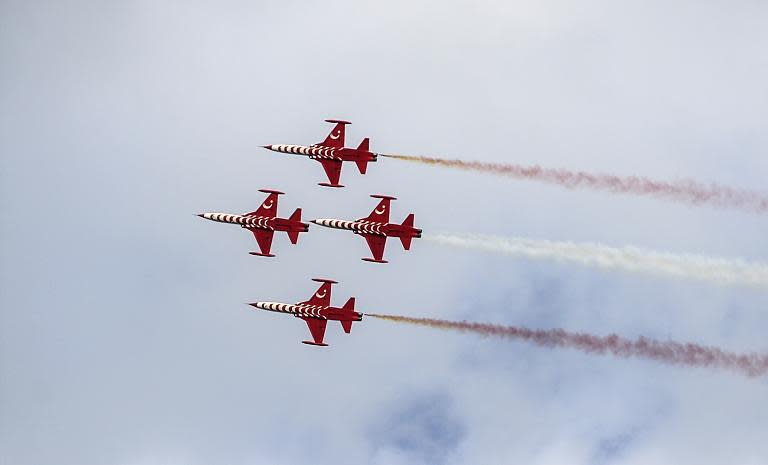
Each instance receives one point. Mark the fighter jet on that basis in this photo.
(375, 228)
(331, 153)
(264, 222)
(317, 311)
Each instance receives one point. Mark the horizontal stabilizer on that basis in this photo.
(365, 145)
(293, 235)
(362, 166)
(296, 216)
(406, 240)
(347, 325)
(350, 305)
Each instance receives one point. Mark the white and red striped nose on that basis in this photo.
(215, 216)
(331, 223)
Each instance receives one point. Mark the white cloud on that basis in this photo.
(123, 330)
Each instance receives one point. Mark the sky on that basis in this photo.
(124, 334)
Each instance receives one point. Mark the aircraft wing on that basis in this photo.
(322, 296)
(376, 244)
(264, 239)
(335, 138)
(317, 329)
(332, 170)
(380, 214)
(267, 208)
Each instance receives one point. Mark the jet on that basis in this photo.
(317, 311)
(264, 222)
(375, 228)
(331, 153)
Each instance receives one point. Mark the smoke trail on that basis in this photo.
(631, 259)
(670, 352)
(685, 191)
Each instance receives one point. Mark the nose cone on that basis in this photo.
(207, 216)
(268, 147)
(323, 222)
(254, 304)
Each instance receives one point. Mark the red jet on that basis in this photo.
(264, 222)
(375, 228)
(331, 153)
(317, 311)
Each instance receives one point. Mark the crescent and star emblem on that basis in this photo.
(320, 295)
(335, 135)
(267, 204)
(383, 208)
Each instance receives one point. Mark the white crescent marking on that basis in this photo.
(319, 296)
(383, 209)
(267, 206)
(335, 135)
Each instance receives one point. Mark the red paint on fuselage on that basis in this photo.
(375, 228)
(331, 153)
(317, 311)
(264, 222)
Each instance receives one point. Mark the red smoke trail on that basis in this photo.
(674, 353)
(685, 191)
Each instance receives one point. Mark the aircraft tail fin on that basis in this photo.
(362, 166)
(365, 145)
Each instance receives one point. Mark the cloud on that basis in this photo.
(123, 330)
(420, 428)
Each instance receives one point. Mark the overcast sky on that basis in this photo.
(124, 338)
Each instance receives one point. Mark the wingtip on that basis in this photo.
(259, 254)
(382, 196)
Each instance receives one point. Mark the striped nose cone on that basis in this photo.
(331, 223)
(277, 307)
(221, 217)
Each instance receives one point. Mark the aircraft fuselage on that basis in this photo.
(370, 227)
(311, 311)
(259, 222)
(318, 152)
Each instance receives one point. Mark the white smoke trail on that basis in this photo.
(631, 259)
